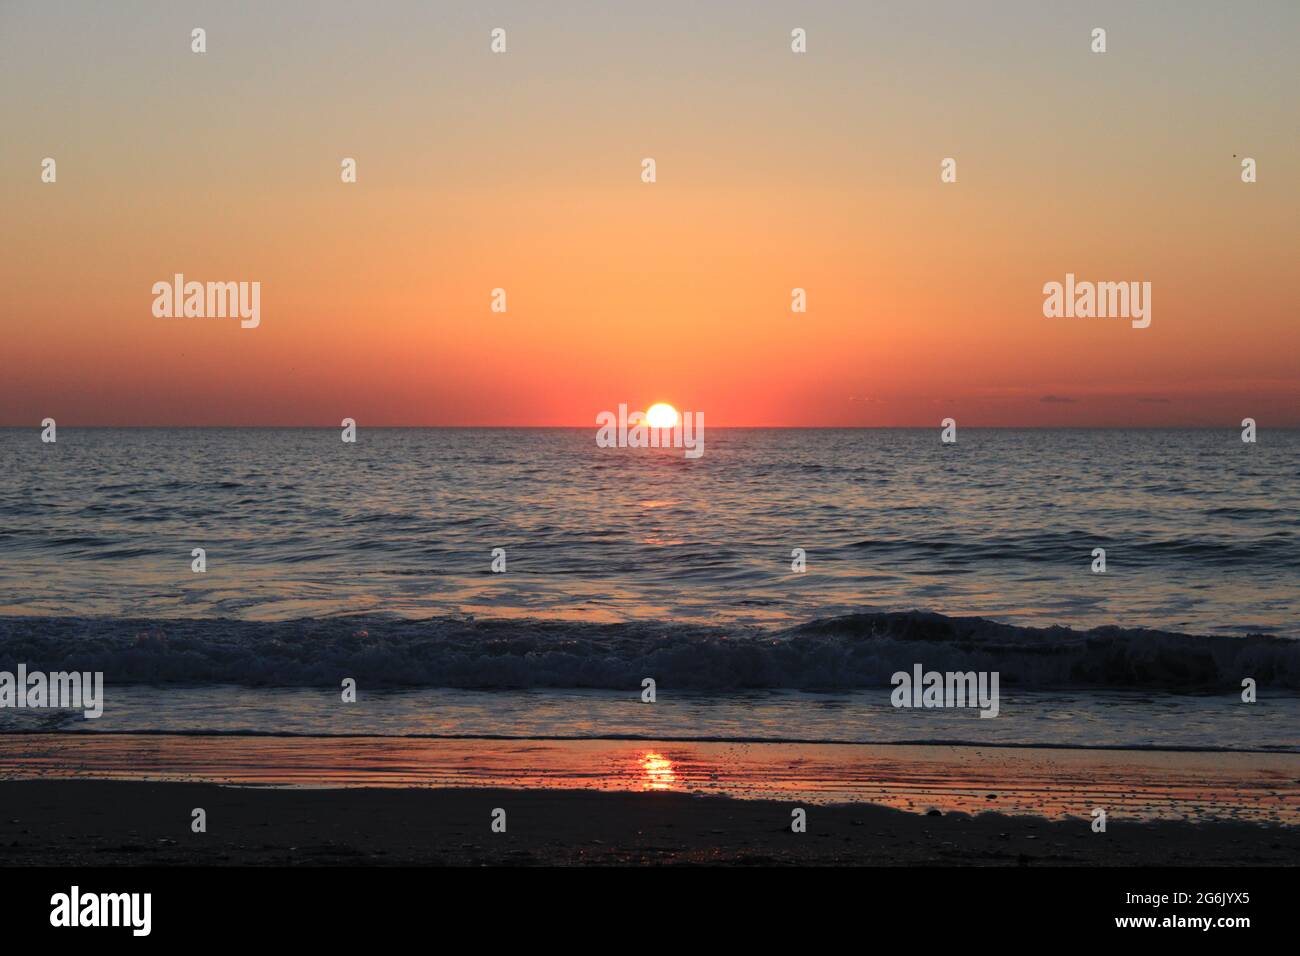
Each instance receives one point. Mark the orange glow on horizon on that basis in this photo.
(923, 299)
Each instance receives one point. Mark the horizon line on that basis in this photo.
(1226, 427)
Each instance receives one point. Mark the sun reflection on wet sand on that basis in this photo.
(1049, 783)
(658, 771)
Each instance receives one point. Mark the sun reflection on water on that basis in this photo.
(658, 771)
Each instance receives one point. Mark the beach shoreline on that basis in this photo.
(1147, 785)
(94, 823)
(123, 799)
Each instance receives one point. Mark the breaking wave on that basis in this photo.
(850, 651)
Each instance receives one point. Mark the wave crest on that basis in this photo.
(851, 651)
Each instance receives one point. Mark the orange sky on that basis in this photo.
(522, 171)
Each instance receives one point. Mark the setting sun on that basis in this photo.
(661, 415)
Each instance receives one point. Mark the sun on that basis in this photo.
(661, 415)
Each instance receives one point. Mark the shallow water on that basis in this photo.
(1085, 718)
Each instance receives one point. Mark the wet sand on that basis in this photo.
(93, 798)
(1142, 785)
(87, 823)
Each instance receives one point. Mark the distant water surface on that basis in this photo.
(1200, 530)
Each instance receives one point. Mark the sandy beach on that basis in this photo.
(87, 823)
(82, 799)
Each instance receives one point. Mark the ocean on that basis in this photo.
(374, 561)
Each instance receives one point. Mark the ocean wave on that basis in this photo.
(851, 651)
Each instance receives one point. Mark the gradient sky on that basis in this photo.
(522, 171)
